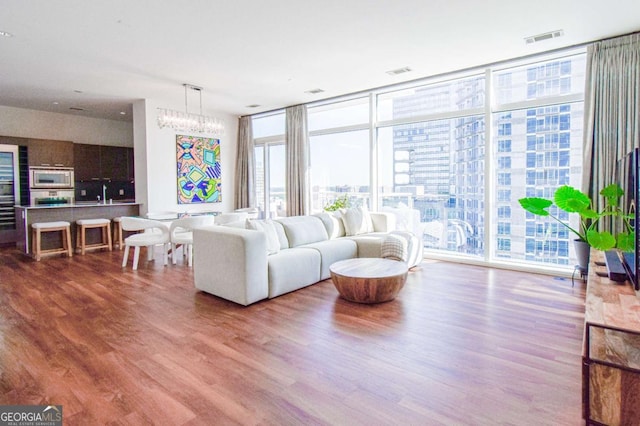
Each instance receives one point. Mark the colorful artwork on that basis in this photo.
(198, 161)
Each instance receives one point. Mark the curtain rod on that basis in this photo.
(445, 74)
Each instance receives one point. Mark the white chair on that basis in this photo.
(162, 215)
(155, 233)
(181, 234)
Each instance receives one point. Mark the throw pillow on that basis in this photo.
(357, 221)
(332, 223)
(266, 226)
(394, 247)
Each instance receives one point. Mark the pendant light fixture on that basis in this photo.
(186, 121)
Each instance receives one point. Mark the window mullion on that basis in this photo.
(489, 171)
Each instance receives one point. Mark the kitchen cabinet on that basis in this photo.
(103, 163)
(50, 153)
(113, 163)
(86, 162)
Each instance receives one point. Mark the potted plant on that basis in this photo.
(339, 203)
(572, 200)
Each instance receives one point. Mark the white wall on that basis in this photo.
(155, 160)
(27, 123)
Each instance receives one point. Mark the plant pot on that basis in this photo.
(582, 253)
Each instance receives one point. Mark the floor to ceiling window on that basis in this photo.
(268, 133)
(537, 134)
(434, 149)
(460, 151)
(339, 153)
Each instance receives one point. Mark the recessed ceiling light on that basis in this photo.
(543, 36)
(123, 113)
(399, 71)
(253, 106)
(5, 34)
(55, 103)
(314, 91)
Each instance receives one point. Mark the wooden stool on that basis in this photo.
(83, 225)
(36, 240)
(117, 233)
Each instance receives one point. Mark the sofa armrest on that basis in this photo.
(383, 222)
(231, 263)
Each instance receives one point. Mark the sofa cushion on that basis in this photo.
(332, 251)
(266, 226)
(292, 269)
(332, 223)
(301, 230)
(357, 221)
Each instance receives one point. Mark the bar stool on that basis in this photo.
(83, 225)
(117, 232)
(36, 240)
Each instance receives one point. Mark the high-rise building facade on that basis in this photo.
(536, 147)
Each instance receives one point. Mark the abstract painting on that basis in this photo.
(199, 173)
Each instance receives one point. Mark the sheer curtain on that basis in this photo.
(297, 160)
(612, 106)
(245, 189)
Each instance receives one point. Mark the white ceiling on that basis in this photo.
(266, 52)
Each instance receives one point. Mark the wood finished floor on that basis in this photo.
(461, 345)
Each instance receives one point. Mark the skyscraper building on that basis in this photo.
(535, 149)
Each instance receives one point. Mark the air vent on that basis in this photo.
(399, 71)
(544, 36)
(252, 106)
(314, 91)
(76, 109)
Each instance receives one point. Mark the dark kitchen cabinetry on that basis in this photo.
(103, 163)
(50, 153)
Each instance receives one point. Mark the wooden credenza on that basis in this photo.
(611, 351)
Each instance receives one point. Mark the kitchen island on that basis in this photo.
(26, 215)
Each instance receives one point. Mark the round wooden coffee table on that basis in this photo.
(368, 280)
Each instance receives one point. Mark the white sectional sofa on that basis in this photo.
(286, 254)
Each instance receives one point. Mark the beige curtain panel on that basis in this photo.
(244, 189)
(611, 110)
(297, 160)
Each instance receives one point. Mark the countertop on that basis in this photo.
(80, 204)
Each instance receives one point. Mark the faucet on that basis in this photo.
(104, 194)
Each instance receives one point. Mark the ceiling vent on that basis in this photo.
(252, 106)
(399, 71)
(76, 109)
(544, 36)
(314, 91)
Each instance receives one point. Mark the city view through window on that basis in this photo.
(457, 154)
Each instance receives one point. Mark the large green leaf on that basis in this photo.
(589, 214)
(626, 241)
(571, 200)
(612, 193)
(536, 205)
(601, 240)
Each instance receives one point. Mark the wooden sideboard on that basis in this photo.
(611, 350)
